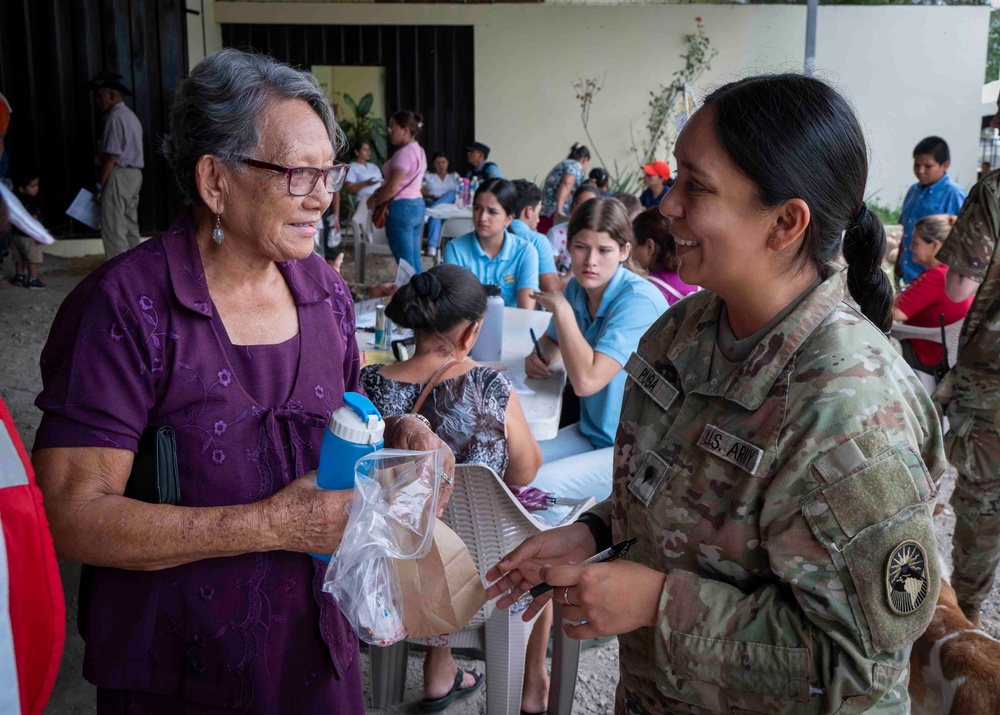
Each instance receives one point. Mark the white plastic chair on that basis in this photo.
(491, 522)
(902, 331)
(367, 240)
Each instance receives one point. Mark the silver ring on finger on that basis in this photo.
(566, 597)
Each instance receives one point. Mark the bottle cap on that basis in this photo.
(358, 420)
(491, 290)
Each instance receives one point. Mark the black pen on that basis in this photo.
(610, 554)
(538, 350)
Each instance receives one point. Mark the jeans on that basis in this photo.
(434, 224)
(573, 468)
(403, 228)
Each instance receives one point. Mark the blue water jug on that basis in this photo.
(355, 430)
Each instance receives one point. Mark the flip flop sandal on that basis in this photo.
(456, 693)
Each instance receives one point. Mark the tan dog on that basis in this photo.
(954, 668)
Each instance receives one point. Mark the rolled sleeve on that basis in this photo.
(969, 247)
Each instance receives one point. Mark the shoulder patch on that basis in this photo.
(744, 455)
(651, 381)
(906, 578)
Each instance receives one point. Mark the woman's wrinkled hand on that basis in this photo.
(522, 568)
(414, 435)
(309, 518)
(536, 367)
(605, 599)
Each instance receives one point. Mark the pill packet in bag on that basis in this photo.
(392, 516)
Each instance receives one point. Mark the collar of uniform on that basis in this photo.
(506, 251)
(518, 227)
(751, 382)
(187, 274)
(943, 181)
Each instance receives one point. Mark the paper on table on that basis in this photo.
(520, 386)
(85, 210)
(404, 273)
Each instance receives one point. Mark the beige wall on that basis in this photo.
(911, 71)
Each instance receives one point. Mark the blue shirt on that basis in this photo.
(943, 197)
(647, 199)
(514, 268)
(630, 305)
(546, 261)
(486, 170)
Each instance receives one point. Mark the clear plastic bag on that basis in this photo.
(391, 517)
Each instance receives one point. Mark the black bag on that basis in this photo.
(153, 479)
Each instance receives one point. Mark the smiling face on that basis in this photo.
(721, 234)
(595, 257)
(489, 216)
(258, 209)
(927, 169)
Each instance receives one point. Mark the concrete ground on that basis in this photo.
(25, 317)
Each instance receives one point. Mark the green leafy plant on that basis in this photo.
(888, 215)
(366, 128)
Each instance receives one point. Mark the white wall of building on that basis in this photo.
(910, 71)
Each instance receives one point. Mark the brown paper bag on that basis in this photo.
(442, 591)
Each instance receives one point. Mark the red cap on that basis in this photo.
(658, 168)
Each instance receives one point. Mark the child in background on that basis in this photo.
(923, 302)
(27, 252)
(934, 193)
(656, 253)
(529, 203)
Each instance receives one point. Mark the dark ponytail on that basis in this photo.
(797, 137)
(438, 300)
(864, 249)
(409, 120)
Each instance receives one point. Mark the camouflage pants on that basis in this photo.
(973, 448)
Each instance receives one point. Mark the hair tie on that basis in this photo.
(856, 221)
(426, 285)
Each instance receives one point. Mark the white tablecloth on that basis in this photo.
(447, 211)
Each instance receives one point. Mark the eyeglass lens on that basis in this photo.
(302, 181)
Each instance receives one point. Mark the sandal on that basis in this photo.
(456, 692)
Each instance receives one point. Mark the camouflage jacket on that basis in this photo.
(970, 250)
(788, 503)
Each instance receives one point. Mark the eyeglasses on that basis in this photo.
(302, 179)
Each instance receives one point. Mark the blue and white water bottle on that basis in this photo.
(355, 430)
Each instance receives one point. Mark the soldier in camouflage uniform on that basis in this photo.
(972, 392)
(780, 485)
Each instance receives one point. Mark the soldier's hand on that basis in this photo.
(519, 570)
(606, 599)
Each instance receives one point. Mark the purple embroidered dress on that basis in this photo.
(138, 343)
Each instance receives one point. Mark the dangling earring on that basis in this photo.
(217, 233)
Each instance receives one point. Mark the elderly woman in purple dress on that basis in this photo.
(231, 331)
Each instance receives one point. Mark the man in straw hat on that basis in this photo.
(121, 163)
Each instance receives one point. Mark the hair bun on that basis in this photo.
(426, 285)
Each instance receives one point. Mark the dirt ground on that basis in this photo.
(25, 317)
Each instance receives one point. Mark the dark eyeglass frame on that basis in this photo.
(338, 171)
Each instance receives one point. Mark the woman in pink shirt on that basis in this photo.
(403, 174)
(656, 252)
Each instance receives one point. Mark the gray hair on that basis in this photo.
(218, 108)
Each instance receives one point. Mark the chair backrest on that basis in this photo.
(489, 519)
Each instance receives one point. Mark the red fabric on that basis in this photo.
(924, 301)
(544, 224)
(37, 608)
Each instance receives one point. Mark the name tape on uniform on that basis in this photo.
(732, 449)
(654, 384)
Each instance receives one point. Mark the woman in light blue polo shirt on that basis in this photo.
(596, 325)
(495, 255)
